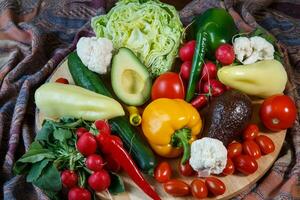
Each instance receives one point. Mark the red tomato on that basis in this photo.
(209, 71)
(185, 70)
(163, 172)
(69, 178)
(186, 169)
(213, 87)
(94, 162)
(229, 168)
(250, 132)
(215, 186)
(86, 144)
(252, 149)
(78, 193)
(62, 80)
(225, 54)
(234, 149)
(245, 164)
(186, 52)
(99, 181)
(265, 144)
(278, 112)
(80, 131)
(168, 85)
(199, 189)
(177, 188)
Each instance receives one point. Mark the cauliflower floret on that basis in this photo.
(95, 53)
(208, 155)
(242, 48)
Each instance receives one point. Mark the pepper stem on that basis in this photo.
(181, 138)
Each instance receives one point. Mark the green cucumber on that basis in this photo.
(136, 146)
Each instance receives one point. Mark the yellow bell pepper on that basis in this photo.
(262, 79)
(170, 126)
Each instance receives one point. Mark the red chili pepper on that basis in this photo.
(200, 101)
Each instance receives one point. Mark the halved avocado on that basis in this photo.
(130, 79)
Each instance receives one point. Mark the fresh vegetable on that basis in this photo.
(265, 144)
(111, 164)
(252, 80)
(168, 85)
(139, 149)
(229, 168)
(135, 118)
(209, 32)
(170, 125)
(62, 80)
(185, 70)
(151, 29)
(58, 100)
(234, 149)
(86, 144)
(78, 193)
(213, 88)
(99, 180)
(185, 169)
(225, 54)
(163, 172)
(252, 149)
(69, 178)
(251, 132)
(95, 53)
(199, 189)
(215, 186)
(209, 71)
(278, 112)
(200, 101)
(130, 79)
(177, 188)
(186, 52)
(102, 126)
(250, 50)
(208, 156)
(94, 162)
(245, 164)
(80, 131)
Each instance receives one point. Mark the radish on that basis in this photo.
(209, 71)
(214, 88)
(78, 193)
(99, 181)
(225, 54)
(86, 144)
(80, 131)
(185, 70)
(69, 178)
(186, 52)
(94, 162)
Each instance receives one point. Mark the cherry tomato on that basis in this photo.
(225, 54)
(229, 168)
(265, 144)
(99, 181)
(163, 172)
(62, 80)
(69, 178)
(209, 71)
(78, 193)
(177, 188)
(186, 52)
(199, 189)
(86, 144)
(94, 162)
(103, 126)
(185, 70)
(186, 169)
(234, 149)
(80, 131)
(200, 101)
(278, 112)
(168, 85)
(215, 186)
(245, 164)
(250, 132)
(252, 149)
(213, 87)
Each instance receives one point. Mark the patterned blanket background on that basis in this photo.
(35, 35)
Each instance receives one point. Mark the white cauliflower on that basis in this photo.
(242, 48)
(95, 53)
(208, 155)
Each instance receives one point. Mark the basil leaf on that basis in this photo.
(116, 184)
(45, 131)
(49, 180)
(36, 170)
(62, 134)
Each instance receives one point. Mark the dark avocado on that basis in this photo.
(228, 115)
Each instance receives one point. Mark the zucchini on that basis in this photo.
(136, 146)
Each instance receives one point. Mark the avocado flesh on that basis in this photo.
(130, 79)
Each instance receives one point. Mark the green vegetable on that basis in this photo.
(151, 29)
(214, 27)
(137, 147)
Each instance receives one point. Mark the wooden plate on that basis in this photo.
(235, 184)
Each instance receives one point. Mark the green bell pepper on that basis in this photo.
(214, 27)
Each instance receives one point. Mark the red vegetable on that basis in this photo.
(185, 70)
(215, 186)
(111, 163)
(213, 88)
(102, 126)
(234, 149)
(62, 80)
(229, 168)
(278, 112)
(209, 71)
(69, 178)
(177, 188)
(77, 193)
(94, 162)
(200, 101)
(186, 52)
(99, 181)
(163, 172)
(225, 54)
(265, 144)
(252, 149)
(245, 164)
(86, 144)
(80, 131)
(199, 189)
(250, 132)
(185, 169)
